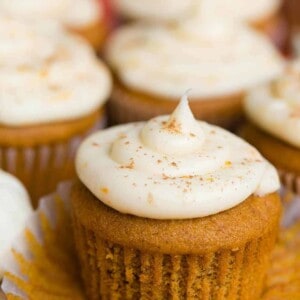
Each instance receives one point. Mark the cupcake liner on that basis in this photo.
(111, 271)
(40, 168)
(43, 264)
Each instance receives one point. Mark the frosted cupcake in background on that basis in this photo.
(256, 13)
(173, 208)
(273, 111)
(52, 90)
(264, 15)
(153, 65)
(15, 208)
(85, 17)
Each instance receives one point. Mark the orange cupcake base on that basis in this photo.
(127, 257)
(42, 156)
(285, 157)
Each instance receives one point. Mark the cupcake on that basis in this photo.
(15, 208)
(263, 15)
(52, 88)
(273, 111)
(257, 13)
(173, 208)
(85, 17)
(155, 65)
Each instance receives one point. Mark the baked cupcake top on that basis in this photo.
(172, 167)
(275, 107)
(172, 10)
(14, 210)
(214, 59)
(76, 14)
(47, 75)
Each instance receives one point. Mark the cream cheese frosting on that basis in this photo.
(77, 14)
(275, 107)
(172, 167)
(214, 59)
(47, 75)
(172, 10)
(15, 208)
(240, 10)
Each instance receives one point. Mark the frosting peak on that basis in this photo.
(196, 170)
(178, 134)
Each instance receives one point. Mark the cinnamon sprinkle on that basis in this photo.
(129, 166)
(173, 126)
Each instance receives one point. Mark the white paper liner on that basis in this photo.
(47, 207)
(34, 225)
(42, 167)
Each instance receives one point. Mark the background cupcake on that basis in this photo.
(15, 209)
(51, 90)
(173, 208)
(154, 65)
(85, 17)
(264, 15)
(155, 10)
(273, 111)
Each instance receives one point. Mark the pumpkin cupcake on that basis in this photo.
(273, 111)
(263, 15)
(52, 88)
(154, 65)
(85, 17)
(15, 208)
(173, 209)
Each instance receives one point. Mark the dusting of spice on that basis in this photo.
(104, 190)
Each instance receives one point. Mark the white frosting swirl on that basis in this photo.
(172, 167)
(172, 10)
(15, 208)
(240, 10)
(77, 14)
(214, 59)
(276, 107)
(47, 74)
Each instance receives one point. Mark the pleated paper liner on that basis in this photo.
(43, 264)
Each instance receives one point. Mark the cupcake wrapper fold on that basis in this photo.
(111, 271)
(290, 193)
(41, 168)
(290, 181)
(42, 263)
